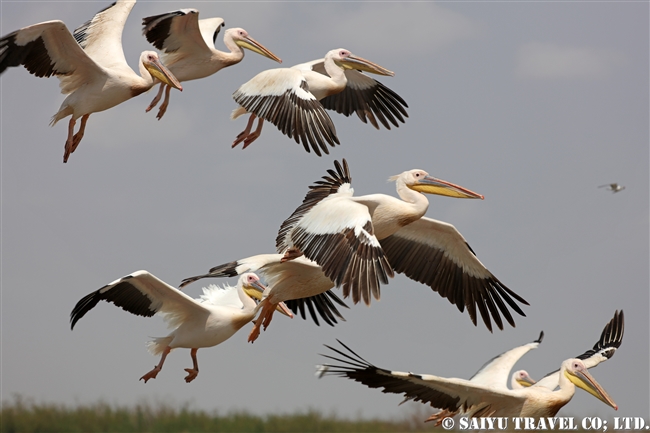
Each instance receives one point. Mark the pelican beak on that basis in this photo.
(255, 46)
(431, 185)
(582, 379)
(159, 71)
(361, 64)
(256, 291)
(526, 381)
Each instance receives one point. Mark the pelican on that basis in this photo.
(495, 372)
(298, 283)
(493, 375)
(289, 99)
(188, 49)
(361, 241)
(89, 64)
(204, 322)
(610, 340)
(613, 187)
(476, 400)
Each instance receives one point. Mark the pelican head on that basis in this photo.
(523, 378)
(347, 60)
(253, 288)
(576, 371)
(242, 39)
(152, 63)
(419, 180)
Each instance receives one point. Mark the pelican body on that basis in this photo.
(90, 65)
(289, 99)
(204, 322)
(298, 283)
(475, 400)
(188, 49)
(495, 372)
(361, 241)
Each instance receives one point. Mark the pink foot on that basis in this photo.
(192, 373)
(151, 375)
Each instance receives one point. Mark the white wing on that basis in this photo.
(176, 33)
(330, 228)
(47, 49)
(281, 96)
(495, 372)
(101, 36)
(293, 277)
(142, 294)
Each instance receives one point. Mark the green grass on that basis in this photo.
(24, 416)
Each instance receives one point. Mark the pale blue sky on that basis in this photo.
(533, 104)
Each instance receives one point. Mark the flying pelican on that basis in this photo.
(613, 187)
(89, 64)
(360, 241)
(289, 99)
(188, 49)
(495, 372)
(204, 322)
(297, 282)
(610, 340)
(476, 400)
(493, 375)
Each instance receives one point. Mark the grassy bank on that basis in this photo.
(22, 415)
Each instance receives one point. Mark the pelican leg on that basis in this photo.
(267, 318)
(163, 106)
(68, 142)
(156, 99)
(255, 134)
(255, 332)
(193, 372)
(73, 140)
(290, 254)
(244, 134)
(153, 373)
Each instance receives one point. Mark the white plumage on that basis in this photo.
(188, 49)
(300, 283)
(289, 99)
(205, 322)
(90, 65)
(360, 241)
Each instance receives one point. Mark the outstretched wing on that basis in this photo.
(281, 96)
(610, 340)
(337, 233)
(142, 294)
(449, 394)
(436, 254)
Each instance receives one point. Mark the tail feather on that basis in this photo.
(158, 344)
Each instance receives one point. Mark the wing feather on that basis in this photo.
(47, 49)
(445, 393)
(142, 294)
(436, 254)
(610, 340)
(369, 99)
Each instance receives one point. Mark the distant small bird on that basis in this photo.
(613, 187)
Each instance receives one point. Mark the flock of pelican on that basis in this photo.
(93, 72)
(333, 239)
